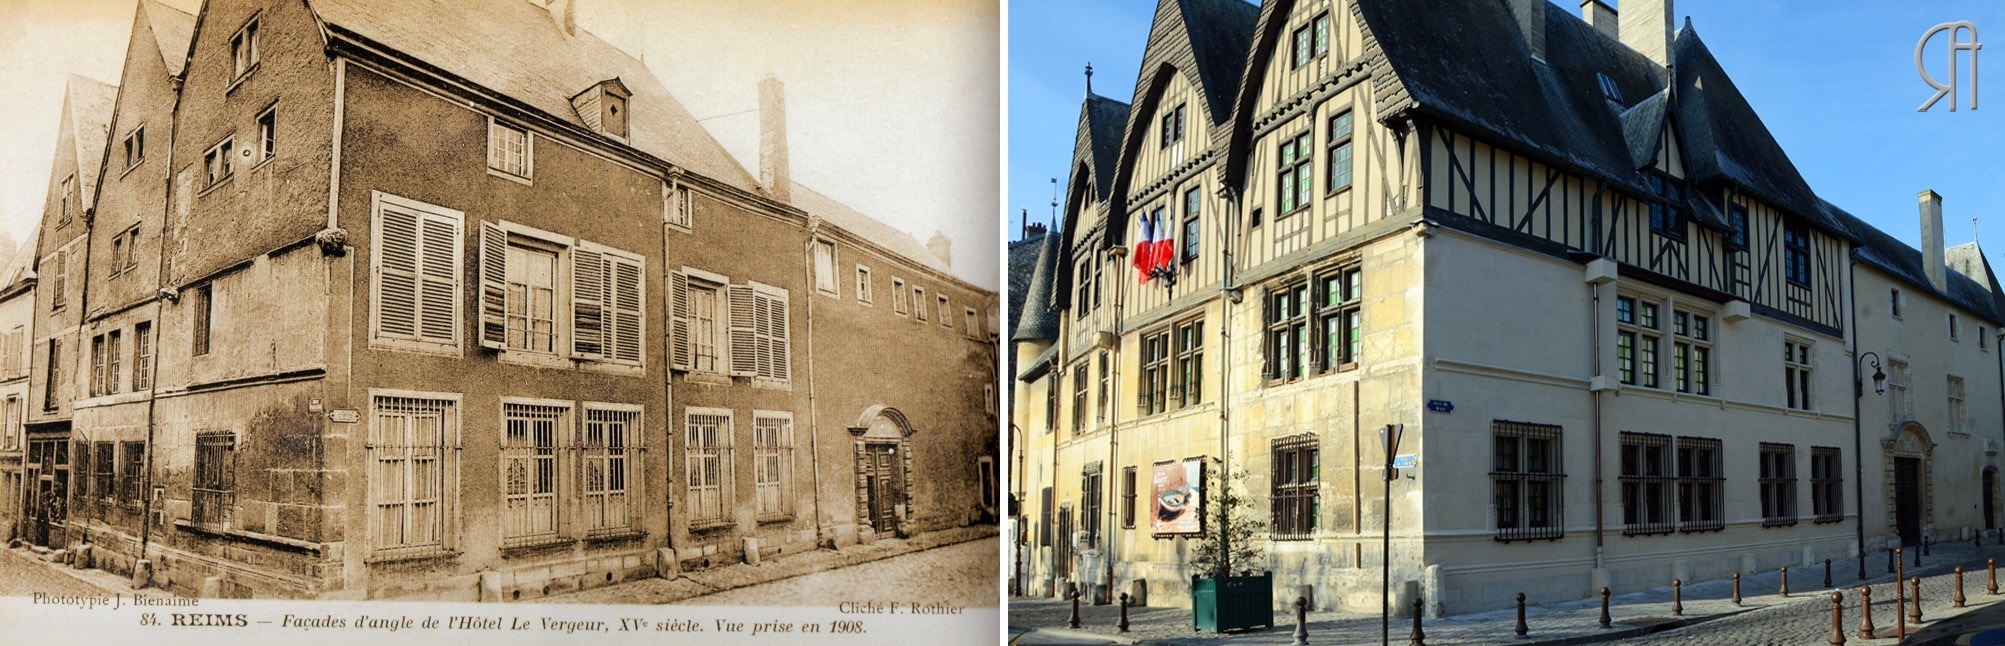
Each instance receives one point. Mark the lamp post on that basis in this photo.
(1390, 437)
(1858, 468)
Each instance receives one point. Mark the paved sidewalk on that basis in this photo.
(104, 581)
(714, 580)
(1709, 615)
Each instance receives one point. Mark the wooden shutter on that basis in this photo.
(624, 301)
(778, 312)
(397, 283)
(744, 335)
(439, 300)
(588, 289)
(493, 286)
(678, 296)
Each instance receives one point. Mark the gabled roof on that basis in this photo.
(1219, 32)
(20, 268)
(1023, 261)
(1726, 140)
(1888, 254)
(514, 48)
(866, 227)
(1643, 127)
(90, 105)
(1968, 259)
(172, 28)
(1036, 320)
(1100, 122)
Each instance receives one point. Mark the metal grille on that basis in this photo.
(1646, 484)
(1527, 480)
(410, 452)
(1778, 484)
(529, 472)
(772, 459)
(1295, 490)
(215, 483)
(1827, 490)
(708, 448)
(1700, 496)
(606, 456)
(134, 472)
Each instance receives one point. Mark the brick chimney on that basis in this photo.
(941, 247)
(1531, 18)
(565, 12)
(1646, 28)
(1601, 16)
(774, 172)
(1931, 241)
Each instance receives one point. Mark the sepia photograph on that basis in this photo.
(1504, 321)
(342, 317)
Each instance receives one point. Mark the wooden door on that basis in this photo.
(886, 486)
(1907, 500)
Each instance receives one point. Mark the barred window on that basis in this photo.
(772, 461)
(1827, 484)
(1528, 479)
(707, 443)
(1700, 487)
(1646, 484)
(1154, 391)
(104, 464)
(413, 447)
(1187, 387)
(215, 484)
(1778, 485)
(529, 471)
(607, 455)
(132, 473)
(1297, 480)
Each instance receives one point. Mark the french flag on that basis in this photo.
(1154, 250)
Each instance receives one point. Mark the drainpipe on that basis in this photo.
(1594, 345)
(159, 325)
(1113, 424)
(1858, 392)
(1227, 275)
(814, 427)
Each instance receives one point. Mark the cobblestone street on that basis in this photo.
(1643, 618)
(956, 566)
(21, 576)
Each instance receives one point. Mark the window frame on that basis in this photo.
(1174, 126)
(1127, 497)
(1295, 162)
(1092, 487)
(705, 285)
(865, 289)
(1295, 491)
(1704, 488)
(1778, 484)
(1692, 351)
(1516, 483)
(219, 165)
(1798, 374)
(134, 142)
(1795, 252)
(1648, 504)
(781, 452)
(898, 296)
(1955, 396)
(529, 411)
(631, 455)
(1187, 363)
(1192, 225)
(416, 341)
(1339, 143)
(245, 53)
(720, 451)
(497, 158)
(1667, 208)
(213, 487)
(1827, 484)
(919, 305)
(819, 246)
(1639, 340)
(1152, 393)
(412, 406)
(142, 356)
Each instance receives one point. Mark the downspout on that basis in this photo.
(1594, 361)
(1229, 289)
(1858, 393)
(814, 428)
(159, 325)
(1113, 421)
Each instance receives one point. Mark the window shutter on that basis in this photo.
(678, 296)
(744, 343)
(780, 356)
(493, 286)
(588, 288)
(626, 298)
(440, 298)
(763, 311)
(397, 306)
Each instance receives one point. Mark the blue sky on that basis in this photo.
(1834, 80)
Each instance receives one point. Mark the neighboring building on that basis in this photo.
(1564, 257)
(456, 301)
(17, 311)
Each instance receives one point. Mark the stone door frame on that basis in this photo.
(882, 425)
(1909, 440)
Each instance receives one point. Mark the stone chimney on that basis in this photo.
(774, 173)
(565, 12)
(1601, 16)
(1646, 28)
(1531, 18)
(1931, 241)
(942, 248)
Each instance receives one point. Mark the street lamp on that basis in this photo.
(1858, 444)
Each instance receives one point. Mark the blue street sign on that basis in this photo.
(1404, 461)
(1442, 406)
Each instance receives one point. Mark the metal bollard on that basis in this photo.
(1677, 598)
(1866, 612)
(1419, 638)
(1827, 573)
(1124, 612)
(1301, 621)
(1900, 611)
(1991, 564)
(1957, 600)
(1072, 590)
(1837, 618)
(1914, 609)
(1522, 628)
(1736, 589)
(1604, 607)
(1785, 582)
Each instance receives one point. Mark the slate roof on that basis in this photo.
(172, 29)
(1888, 254)
(514, 48)
(866, 227)
(1023, 261)
(1969, 259)
(1220, 33)
(1101, 120)
(90, 104)
(1466, 64)
(20, 267)
(1037, 320)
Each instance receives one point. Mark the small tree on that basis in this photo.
(1229, 527)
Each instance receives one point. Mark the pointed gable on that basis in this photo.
(603, 107)
(172, 29)
(89, 106)
(1037, 321)
(1726, 141)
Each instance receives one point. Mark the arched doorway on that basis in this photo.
(1909, 463)
(883, 468)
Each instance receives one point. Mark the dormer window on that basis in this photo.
(603, 108)
(1608, 88)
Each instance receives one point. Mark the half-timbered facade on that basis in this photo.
(1565, 257)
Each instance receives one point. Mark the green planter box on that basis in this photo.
(1232, 602)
